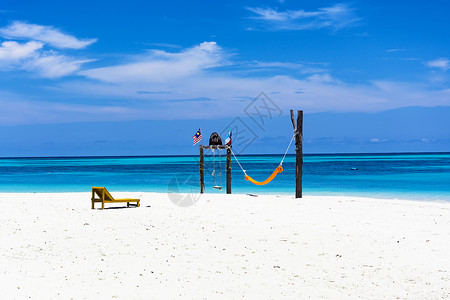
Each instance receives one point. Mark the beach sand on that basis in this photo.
(225, 246)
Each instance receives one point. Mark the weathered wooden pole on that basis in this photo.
(298, 129)
(202, 171)
(299, 155)
(229, 170)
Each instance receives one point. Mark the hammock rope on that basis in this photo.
(278, 170)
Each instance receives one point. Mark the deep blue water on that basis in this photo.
(413, 176)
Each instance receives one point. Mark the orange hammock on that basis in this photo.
(279, 169)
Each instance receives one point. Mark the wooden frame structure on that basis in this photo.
(202, 165)
(298, 131)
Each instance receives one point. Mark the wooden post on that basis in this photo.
(298, 152)
(202, 171)
(299, 155)
(229, 170)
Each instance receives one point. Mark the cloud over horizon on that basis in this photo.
(12, 52)
(34, 55)
(335, 17)
(201, 78)
(204, 77)
(440, 63)
(160, 66)
(46, 34)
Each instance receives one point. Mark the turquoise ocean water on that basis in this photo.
(418, 176)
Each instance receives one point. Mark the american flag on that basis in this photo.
(197, 137)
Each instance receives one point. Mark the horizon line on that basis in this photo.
(190, 155)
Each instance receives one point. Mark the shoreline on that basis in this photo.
(223, 246)
(427, 198)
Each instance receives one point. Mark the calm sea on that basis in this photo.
(412, 175)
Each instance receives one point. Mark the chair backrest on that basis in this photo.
(102, 192)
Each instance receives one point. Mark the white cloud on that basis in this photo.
(395, 50)
(201, 80)
(162, 66)
(335, 17)
(301, 68)
(46, 34)
(166, 45)
(324, 77)
(193, 79)
(30, 57)
(218, 94)
(186, 80)
(283, 65)
(11, 52)
(440, 63)
(53, 65)
(34, 56)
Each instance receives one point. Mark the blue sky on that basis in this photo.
(140, 77)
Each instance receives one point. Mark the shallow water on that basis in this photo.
(412, 175)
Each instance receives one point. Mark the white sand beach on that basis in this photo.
(54, 246)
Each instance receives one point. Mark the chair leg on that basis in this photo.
(103, 205)
(92, 204)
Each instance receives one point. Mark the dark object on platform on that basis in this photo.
(215, 139)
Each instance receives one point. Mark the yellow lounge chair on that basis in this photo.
(105, 197)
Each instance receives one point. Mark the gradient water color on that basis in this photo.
(420, 176)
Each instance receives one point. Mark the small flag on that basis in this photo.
(197, 137)
(228, 139)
